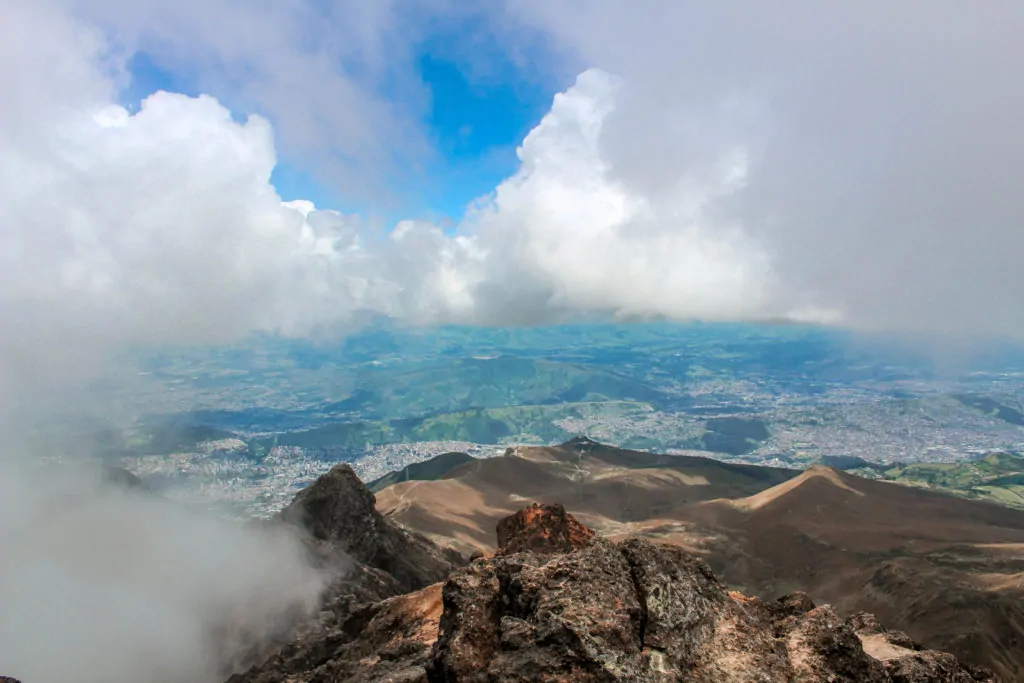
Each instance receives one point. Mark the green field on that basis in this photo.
(997, 477)
(516, 424)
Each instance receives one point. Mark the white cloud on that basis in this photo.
(592, 244)
(161, 226)
(882, 139)
(318, 70)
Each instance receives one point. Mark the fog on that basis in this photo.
(100, 583)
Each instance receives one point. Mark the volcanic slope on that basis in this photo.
(616, 492)
(948, 571)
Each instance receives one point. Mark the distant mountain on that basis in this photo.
(452, 385)
(434, 468)
(946, 570)
(992, 408)
(606, 487)
(475, 425)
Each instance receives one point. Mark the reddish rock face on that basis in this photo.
(557, 604)
(542, 529)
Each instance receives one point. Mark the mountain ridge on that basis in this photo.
(859, 544)
(558, 602)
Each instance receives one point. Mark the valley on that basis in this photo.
(243, 427)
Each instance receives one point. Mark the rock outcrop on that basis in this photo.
(556, 603)
(338, 510)
(366, 560)
(542, 528)
(636, 611)
(388, 641)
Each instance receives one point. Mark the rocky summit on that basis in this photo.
(541, 528)
(557, 603)
(339, 512)
(366, 559)
(947, 571)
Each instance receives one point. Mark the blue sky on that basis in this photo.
(474, 121)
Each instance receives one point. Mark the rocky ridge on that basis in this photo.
(338, 513)
(366, 559)
(557, 603)
(947, 571)
(636, 611)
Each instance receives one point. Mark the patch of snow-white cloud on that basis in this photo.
(883, 149)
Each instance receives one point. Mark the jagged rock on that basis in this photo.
(384, 641)
(905, 661)
(366, 559)
(541, 528)
(338, 510)
(8, 679)
(571, 608)
(636, 611)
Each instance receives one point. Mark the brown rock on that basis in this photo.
(905, 661)
(542, 529)
(338, 510)
(641, 612)
(571, 608)
(367, 559)
(384, 641)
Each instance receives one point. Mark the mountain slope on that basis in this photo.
(434, 468)
(556, 603)
(946, 570)
(612, 490)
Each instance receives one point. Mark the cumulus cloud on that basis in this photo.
(161, 226)
(725, 177)
(882, 144)
(320, 71)
(565, 236)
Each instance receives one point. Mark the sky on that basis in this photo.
(194, 172)
(473, 121)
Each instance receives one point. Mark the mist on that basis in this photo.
(101, 583)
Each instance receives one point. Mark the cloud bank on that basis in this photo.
(101, 584)
(883, 149)
(161, 226)
(851, 165)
